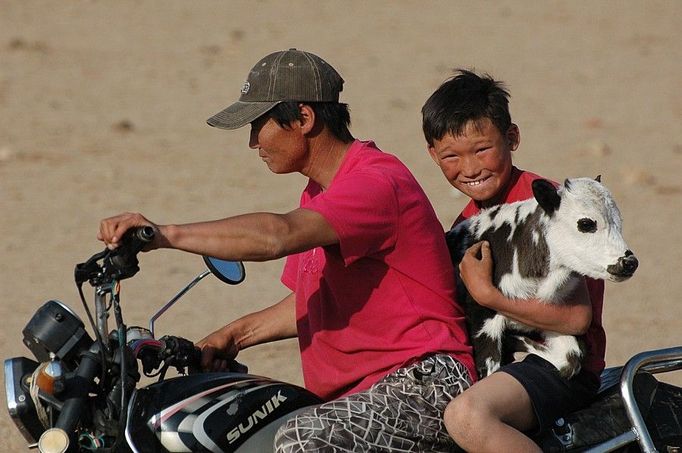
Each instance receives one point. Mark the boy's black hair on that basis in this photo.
(464, 98)
(336, 116)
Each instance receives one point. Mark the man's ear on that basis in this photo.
(307, 120)
(513, 137)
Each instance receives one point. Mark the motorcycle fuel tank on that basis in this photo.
(216, 412)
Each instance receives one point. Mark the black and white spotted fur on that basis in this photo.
(541, 248)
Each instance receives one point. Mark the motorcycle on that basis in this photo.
(84, 394)
(81, 394)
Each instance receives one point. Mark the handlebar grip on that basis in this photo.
(123, 260)
(119, 263)
(237, 367)
(180, 352)
(144, 234)
(135, 239)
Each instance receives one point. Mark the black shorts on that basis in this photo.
(551, 395)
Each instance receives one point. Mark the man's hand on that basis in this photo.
(476, 271)
(111, 230)
(218, 350)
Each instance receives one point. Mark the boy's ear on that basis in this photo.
(513, 137)
(432, 153)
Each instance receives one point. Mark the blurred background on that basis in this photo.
(103, 108)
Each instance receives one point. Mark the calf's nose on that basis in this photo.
(628, 262)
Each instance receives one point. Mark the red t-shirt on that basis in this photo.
(520, 188)
(382, 297)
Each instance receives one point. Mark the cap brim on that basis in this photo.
(240, 114)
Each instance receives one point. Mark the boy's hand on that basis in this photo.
(573, 317)
(476, 271)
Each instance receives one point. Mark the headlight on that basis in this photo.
(54, 328)
(19, 402)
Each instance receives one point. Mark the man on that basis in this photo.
(372, 300)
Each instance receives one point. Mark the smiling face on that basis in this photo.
(478, 162)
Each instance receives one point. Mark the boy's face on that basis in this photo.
(478, 163)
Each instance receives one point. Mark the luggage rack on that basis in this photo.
(652, 362)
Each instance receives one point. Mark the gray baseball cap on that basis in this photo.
(288, 75)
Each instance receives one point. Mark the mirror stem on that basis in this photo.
(163, 309)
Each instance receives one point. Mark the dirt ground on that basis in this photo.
(103, 108)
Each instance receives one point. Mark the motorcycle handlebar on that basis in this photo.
(124, 258)
(117, 264)
(143, 234)
(180, 353)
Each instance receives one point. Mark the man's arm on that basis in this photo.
(274, 323)
(249, 237)
(573, 317)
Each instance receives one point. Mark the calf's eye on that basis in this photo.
(587, 225)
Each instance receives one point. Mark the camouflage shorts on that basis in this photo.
(401, 413)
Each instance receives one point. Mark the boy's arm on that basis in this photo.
(572, 317)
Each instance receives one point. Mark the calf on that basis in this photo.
(541, 248)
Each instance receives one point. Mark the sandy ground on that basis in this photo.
(103, 108)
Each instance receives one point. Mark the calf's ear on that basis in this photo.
(547, 196)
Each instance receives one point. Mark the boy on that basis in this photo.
(470, 136)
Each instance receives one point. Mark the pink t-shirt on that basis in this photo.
(520, 188)
(382, 297)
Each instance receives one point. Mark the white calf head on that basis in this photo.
(584, 229)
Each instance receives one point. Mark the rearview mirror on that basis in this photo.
(231, 272)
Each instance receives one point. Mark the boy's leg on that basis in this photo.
(402, 412)
(526, 396)
(491, 415)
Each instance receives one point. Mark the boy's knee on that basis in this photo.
(455, 413)
(462, 406)
(461, 417)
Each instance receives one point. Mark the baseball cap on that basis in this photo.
(287, 75)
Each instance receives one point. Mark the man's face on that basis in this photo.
(478, 162)
(283, 150)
